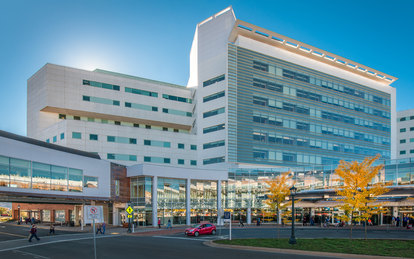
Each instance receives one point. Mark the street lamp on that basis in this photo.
(292, 239)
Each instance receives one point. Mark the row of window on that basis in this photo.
(214, 144)
(405, 129)
(21, 173)
(302, 109)
(317, 128)
(272, 156)
(214, 80)
(403, 141)
(54, 138)
(121, 123)
(273, 138)
(403, 152)
(125, 140)
(406, 118)
(136, 91)
(296, 92)
(282, 72)
(135, 106)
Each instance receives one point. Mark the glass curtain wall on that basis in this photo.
(141, 198)
(203, 201)
(171, 200)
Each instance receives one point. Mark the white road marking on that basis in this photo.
(184, 238)
(32, 254)
(52, 242)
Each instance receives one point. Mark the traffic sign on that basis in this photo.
(93, 213)
(129, 210)
(130, 216)
(226, 215)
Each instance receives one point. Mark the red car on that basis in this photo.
(201, 229)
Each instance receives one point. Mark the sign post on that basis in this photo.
(129, 211)
(227, 215)
(94, 213)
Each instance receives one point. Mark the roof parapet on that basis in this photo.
(260, 34)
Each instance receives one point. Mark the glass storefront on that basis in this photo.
(203, 201)
(141, 198)
(171, 200)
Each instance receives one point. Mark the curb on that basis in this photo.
(210, 243)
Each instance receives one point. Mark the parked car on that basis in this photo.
(201, 229)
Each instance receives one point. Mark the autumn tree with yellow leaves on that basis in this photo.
(278, 191)
(356, 191)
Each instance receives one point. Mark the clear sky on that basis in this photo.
(152, 38)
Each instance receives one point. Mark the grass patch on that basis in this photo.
(399, 248)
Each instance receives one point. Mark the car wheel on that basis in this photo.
(213, 232)
(196, 234)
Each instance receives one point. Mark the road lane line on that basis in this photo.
(53, 242)
(184, 238)
(32, 254)
(11, 234)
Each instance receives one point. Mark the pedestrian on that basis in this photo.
(258, 222)
(169, 224)
(33, 221)
(103, 228)
(241, 222)
(369, 222)
(98, 229)
(159, 223)
(405, 220)
(33, 233)
(398, 221)
(51, 229)
(312, 221)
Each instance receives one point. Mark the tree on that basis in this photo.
(356, 191)
(278, 191)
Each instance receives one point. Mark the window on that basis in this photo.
(100, 100)
(116, 187)
(402, 141)
(193, 162)
(403, 130)
(177, 98)
(76, 118)
(110, 138)
(164, 129)
(62, 135)
(176, 130)
(54, 139)
(132, 141)
(76, 135)
(180, 161)
(93, 137)
(47, 140)
(214, 80)
(214, 144)
(213, 112)
(213, 128)
(180, 145)
(141, 92)
(402, 152)
(148, 126)
(411, 128)
(117, 123)
(177, 112)
(403, 119)
(90, 181)
(213, 96)
(147, 159)
(213, 160)
(411, 151)
(62, 116)
(136, 125)
(110, 156)
(411, 140)
(193, 147)
(101, 85)
(411, 117)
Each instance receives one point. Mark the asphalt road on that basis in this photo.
(158, 245)
(12, 232)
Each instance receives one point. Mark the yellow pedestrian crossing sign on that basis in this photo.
(129, 210)
(129, 216)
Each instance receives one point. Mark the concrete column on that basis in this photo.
(395, 212)
(154, 201)
(249, 215)
(219, 205)
(381, 219)
(188, 203)
(115, 216)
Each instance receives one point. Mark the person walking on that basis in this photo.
(33, 233)
(98, 229)
(159, 223)
(51, 229)
(258, 222)
(103, 228)
(169, 224)
(241, 222)
(398, 221)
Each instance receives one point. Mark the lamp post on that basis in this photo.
(292, 239)
(18, 214)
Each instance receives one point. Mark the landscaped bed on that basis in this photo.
(384, 247)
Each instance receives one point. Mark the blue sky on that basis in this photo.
(152, 39)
